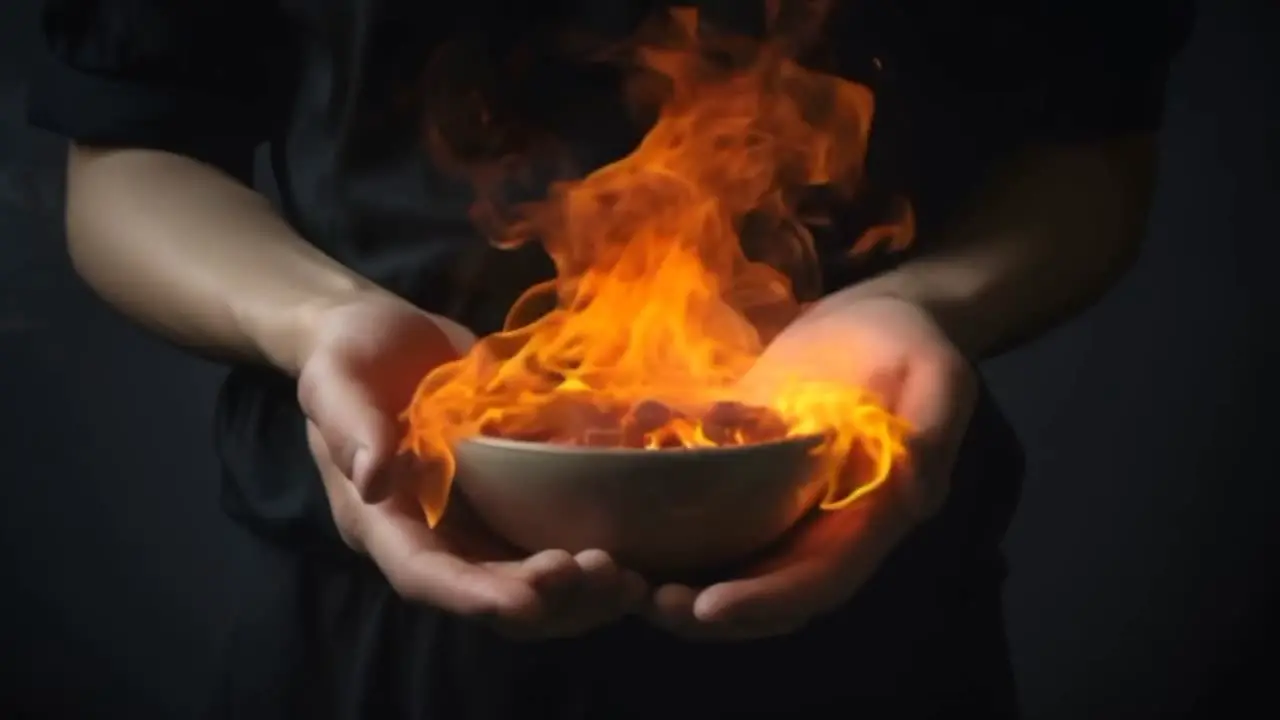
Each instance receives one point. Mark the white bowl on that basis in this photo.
(654, 510)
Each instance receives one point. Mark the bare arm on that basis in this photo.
(1065, 216)
(1054, 230)
(194, 255)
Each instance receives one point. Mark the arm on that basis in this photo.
(1049, 235)
(164, 116)
(193, 254)
(1064, 217)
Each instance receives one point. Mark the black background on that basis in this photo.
(1143, 554)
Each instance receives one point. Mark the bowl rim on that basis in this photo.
(812, 441)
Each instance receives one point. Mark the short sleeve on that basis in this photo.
(1105, 67)
(190, 77)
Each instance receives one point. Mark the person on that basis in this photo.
(1022, 133)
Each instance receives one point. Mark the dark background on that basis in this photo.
(1144, 563)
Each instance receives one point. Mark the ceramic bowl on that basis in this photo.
(654, 510)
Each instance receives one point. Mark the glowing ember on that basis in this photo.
(657, 312)
(596, 421)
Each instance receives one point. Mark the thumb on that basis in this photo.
(937, 400)
(363, 439)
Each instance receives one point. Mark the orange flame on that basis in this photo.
(657, 312)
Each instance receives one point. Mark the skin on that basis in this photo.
(1049, 235)
(205, 262)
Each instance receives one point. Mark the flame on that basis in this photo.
(657, 312)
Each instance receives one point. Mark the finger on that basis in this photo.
(634, 592)
(824, 563)
(591, 602)
(799, 590)
(553, 573)
(609, 590)
(362, 438)
(557, 579)
(937, 400)
(344, 502)
(671, 609)
(601, 583)
(419, 570)
(938, 394)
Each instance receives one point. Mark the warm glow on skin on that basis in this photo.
(658, 312)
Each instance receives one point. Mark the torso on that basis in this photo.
(356, 178)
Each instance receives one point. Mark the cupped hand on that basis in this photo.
(895, 348)
(365, 360)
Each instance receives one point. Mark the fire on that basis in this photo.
(657, 311)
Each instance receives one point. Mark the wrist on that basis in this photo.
(287, 333)
(314, 322)
(946, 294)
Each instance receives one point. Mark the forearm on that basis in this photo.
(197, 257)
(1047, 237)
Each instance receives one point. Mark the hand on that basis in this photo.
(895, 348)
(365, 361)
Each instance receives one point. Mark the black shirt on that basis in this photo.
(340, 93)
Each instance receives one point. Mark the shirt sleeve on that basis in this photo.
(1104, 67)
(190, 77)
